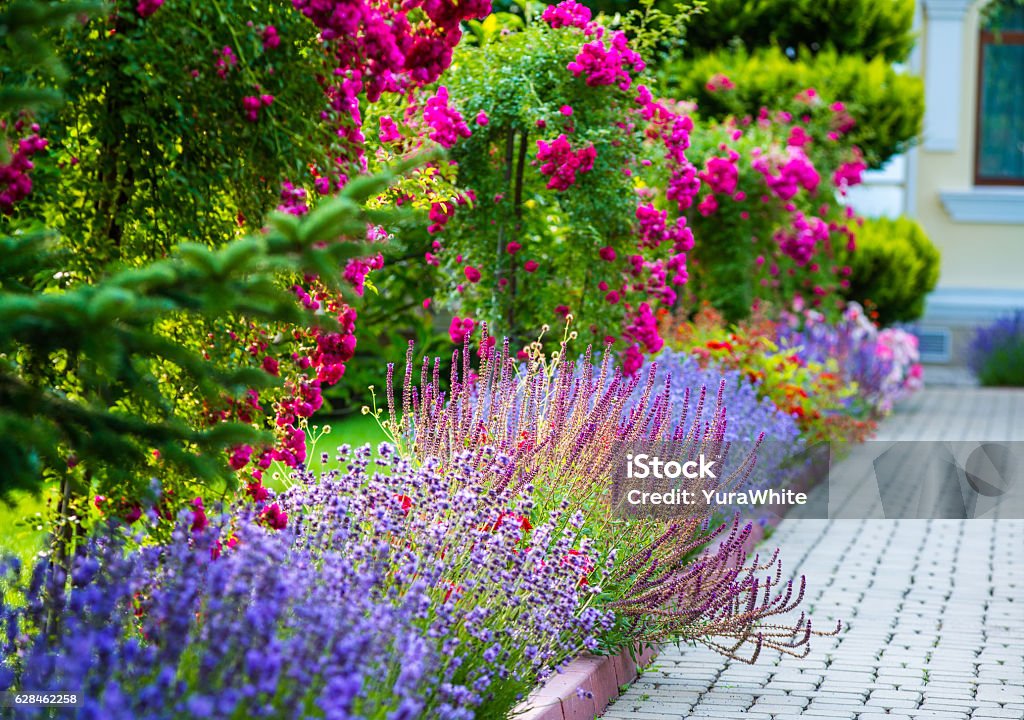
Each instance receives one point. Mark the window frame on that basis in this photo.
(985, 38)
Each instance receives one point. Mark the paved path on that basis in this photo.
(934, 608)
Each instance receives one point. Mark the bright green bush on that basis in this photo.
(888, 105)
(870, 28)
(893, 268)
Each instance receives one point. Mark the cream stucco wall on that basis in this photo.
(974, 255)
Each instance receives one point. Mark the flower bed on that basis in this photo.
(159, 369)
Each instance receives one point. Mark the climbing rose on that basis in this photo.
(240, 457)
(447, 122)
(15, 183)
(562, 163)
(721, 174)
(252, 104)
(607, 65)
(718, 82)
(199, 521)
(271, 40)
(460, 328)
(274, 517)
(567, 14)
(850, 173)
(388, 130)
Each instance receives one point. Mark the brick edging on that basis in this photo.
(600, 679)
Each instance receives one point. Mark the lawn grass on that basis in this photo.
(22, 527)
(356, 430)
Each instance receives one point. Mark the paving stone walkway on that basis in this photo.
(934, 609)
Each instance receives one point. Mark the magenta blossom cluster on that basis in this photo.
(225, 61)
(673, 130)
(785, 173)
(447, 122)
(383, 47)
(145, 8)
(15, 183)
(294, 199)
(252, 104)
(607, 64)
(357, 269)
(801, 240)
(567, 13)
(561, 162)
(316, 361)
(718, 82)
(460, 329)
(642, 330)
(850, 173)
(720, 174)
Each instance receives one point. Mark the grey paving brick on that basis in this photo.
(931, 608)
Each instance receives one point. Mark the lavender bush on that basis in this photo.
(387, 592)
(996, 354)
(170, 632)
(750, 416)
(563, 425)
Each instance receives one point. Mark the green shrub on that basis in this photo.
(893, 268)
(1004, 367)
(870, 28)
(888, 106)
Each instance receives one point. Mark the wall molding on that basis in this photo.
(988, 205)
(946, 9)
(943, 72)
(968, 307)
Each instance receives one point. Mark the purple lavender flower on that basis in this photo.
(393, 591)
(748, 416)
(996, 354)
(267, 627)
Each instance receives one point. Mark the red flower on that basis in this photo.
(460, 328)
(587, 564)
(405, 502)
(452, 589)
(274, 517)
(199, 521)
(521, 520)
(257, 491)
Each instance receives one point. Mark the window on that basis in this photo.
(999, 143)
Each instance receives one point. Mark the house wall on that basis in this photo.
(979, 230)
(981, 255)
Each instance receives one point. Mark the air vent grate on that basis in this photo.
(934, 345)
